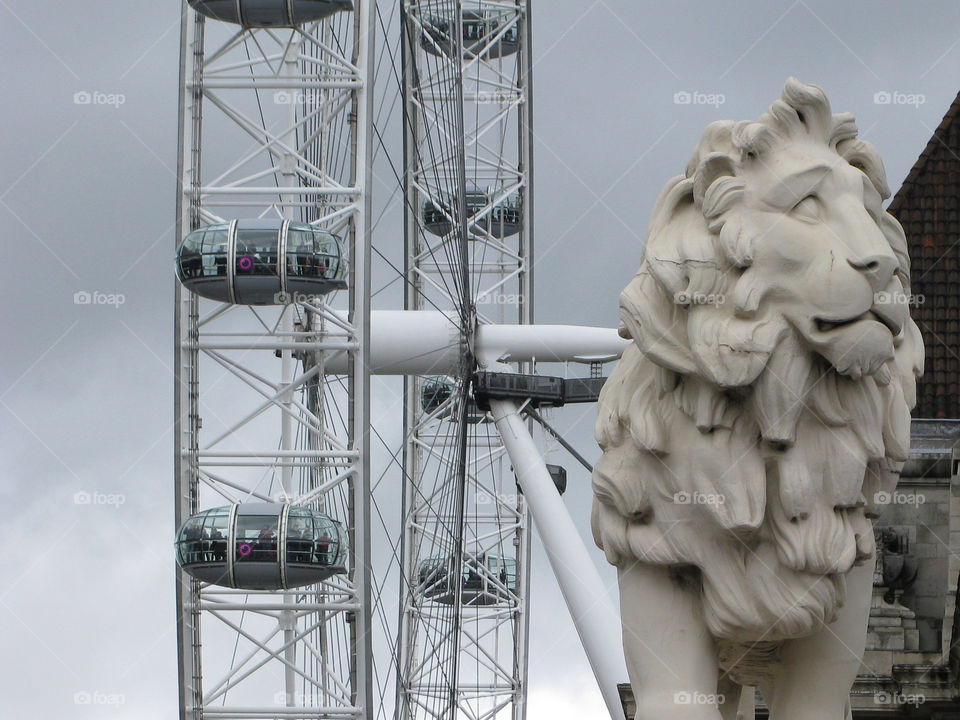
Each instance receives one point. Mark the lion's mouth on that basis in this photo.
(825, 325)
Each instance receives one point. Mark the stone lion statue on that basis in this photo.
(759, 417)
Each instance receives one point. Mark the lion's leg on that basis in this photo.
(816, 673)
(670, 654)
(738, 703)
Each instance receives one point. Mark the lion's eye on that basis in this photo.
(807, 209)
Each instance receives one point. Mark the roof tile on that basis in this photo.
(927, 207)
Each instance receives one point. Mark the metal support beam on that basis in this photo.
(580, 583)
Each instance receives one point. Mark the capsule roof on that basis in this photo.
(269, 13)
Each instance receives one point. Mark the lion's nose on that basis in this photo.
(878, 268)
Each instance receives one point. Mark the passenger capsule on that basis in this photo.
(261, 546)
(558, 473)
(501, 220)
(488, 34)
(436, 391)
(488, 579)
(269, 13)
(261, 262)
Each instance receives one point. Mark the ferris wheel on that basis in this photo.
(355, 485)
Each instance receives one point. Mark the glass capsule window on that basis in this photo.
(256, 538)
(507, 211)
(473, 576)
(314, 539)
(436, 391)
(203, 538)
(504, 569)
(215, 251)
(190, 542)
(434, 214)
(313, 253)
(473, 29)
(204, 253)
(434, 574)
(478, 29)
(257, 251)
(476, 201)
(190, 265)
(433, 566)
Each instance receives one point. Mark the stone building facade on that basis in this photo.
(912, 665)
(910, 668)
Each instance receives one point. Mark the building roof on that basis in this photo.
(928, 207)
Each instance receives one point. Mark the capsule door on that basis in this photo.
(254, 551)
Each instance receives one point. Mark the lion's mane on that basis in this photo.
(729, 444)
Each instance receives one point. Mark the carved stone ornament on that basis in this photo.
(759, 419)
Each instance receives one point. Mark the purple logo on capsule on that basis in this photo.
(245, 263)
(244, 549)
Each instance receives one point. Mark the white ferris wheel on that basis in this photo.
(357, 366)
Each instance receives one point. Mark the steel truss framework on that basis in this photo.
(282, 116)
(281, 394)
(467, 130)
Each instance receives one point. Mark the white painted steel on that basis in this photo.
(427, 342)
(274, 435)
(581, 585)
(454, 466)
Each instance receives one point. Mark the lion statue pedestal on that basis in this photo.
(758, 419)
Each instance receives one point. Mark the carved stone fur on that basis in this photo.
(763, 408)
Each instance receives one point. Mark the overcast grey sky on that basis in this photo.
(87, 204)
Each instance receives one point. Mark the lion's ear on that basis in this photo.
(864, 156)
(711, 168)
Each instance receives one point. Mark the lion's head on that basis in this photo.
(773, 367)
